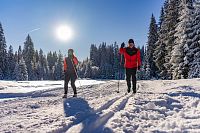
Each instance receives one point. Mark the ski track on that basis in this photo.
(42, 109)
(165, 106)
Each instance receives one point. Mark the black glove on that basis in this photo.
(122, 45)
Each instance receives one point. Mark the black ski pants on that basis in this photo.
(131, 74)
(70, 76)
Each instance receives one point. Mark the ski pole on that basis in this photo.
(119, 76)
(77, 77)
(137, 76)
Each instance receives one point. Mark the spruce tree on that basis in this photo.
(11, 63)
(194, 48)
(20, 71)
(171, 20)
(183, 29)
(3, 54)
(151, 46)
(29, 57)
(59, 67)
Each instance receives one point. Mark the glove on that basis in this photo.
(138, 68)
(122, 45)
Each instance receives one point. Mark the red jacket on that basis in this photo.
(131, 56)
(75, 62)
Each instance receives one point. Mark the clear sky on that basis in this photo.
(93, 22)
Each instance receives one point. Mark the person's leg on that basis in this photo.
(73, 79)
(134, 79)
(67, 78)
(128, 79)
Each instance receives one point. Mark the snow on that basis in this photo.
(158, 106)
(30, 86)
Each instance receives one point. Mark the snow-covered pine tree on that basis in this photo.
(59, 67)
(171, 20)
(3, 54)
(142, 51)
(195, 45)
(103, 60)
(51, 64)
(11, 63)
(29, 55)
(179, 69)
(23, 70)
(151, 46)
(110, 61)
(36, 56)
(116, 66)
(43, 67)
(82, 68)
(160, 51)
(88, 71)
(20, 72)
(161, 19)
(93, 55)
(19, 53)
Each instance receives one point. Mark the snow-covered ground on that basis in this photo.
(158, 106)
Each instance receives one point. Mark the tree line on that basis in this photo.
(171, 52)
(27, 63)
(105, 62)
(173, 47)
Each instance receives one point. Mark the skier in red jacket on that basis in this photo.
(70, 71)
(132, 63)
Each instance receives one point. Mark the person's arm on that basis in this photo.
(75, 60)
(65, 65)
(122, 49)
(138, 59)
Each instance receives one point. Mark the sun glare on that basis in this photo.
(64, 33)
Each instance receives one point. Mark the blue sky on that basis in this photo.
(93, 22)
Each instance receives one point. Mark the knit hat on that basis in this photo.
(131, 41)
(70, 50)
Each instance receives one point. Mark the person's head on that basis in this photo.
(70, 53)
(131, 43)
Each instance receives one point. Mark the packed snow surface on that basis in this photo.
(158, 106)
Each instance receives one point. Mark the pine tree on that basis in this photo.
(29, 57)
(171, 20)
(51, 65)
(42, 66)
(3, 54)
(36, 56)
(93, 55)
(116, 66)
(166, 39)
(20, 71)
(59, 67)
(194, 48)
(183, 29)
(151, 46)
(19, 53)
(88, 71)
(161, 19)
(160, 50)
(11, 63)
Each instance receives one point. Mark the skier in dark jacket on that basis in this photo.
(70, 64)
(132, 63)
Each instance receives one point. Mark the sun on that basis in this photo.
(64, 33)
